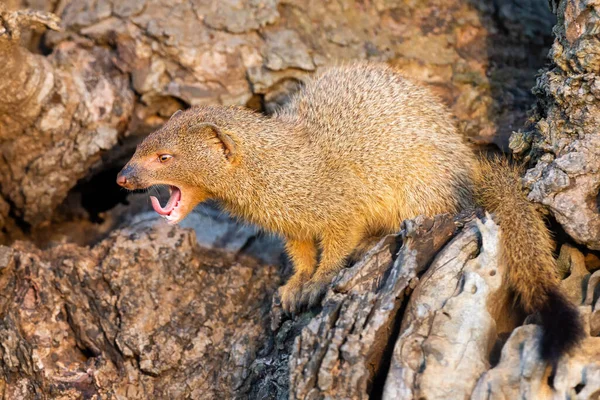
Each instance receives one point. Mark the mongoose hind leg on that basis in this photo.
(304, 258)
(336, 247)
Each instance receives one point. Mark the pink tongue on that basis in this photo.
(175, 197)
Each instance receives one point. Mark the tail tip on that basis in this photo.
(562, 325)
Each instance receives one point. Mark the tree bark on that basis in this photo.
(562, 143)
(57, 115)
(144, 314)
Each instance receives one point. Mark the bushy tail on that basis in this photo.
(527, 250)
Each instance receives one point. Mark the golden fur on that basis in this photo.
(355, 152)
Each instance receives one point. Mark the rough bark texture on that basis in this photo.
(147, 313)
(519, 374)
(340, 351)
(57, 114)
(448, 328)
(144, 314)
(151, 311)
(563, 144)
(208, 51)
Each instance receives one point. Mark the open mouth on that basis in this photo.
(171, 210)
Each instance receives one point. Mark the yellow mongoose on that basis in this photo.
(357, 150)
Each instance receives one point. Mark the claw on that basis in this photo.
(314, 290)
(291, 294)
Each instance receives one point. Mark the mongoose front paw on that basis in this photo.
(291, 294)
(314, 290)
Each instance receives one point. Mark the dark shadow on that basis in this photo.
(101, 193)
(517, 48)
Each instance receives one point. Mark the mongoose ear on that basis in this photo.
(176, 113)
(221, 139)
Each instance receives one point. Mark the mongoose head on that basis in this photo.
(190, 154)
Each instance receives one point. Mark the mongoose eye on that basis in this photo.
(164, 157)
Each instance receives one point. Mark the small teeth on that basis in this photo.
(170, 217)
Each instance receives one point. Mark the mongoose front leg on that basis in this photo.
(304, 258)
(336, 247)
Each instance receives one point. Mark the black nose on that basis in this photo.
(124, 177)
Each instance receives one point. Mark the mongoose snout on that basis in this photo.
(125, 178)
(129, 179)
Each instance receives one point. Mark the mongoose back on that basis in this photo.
(353, 153)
